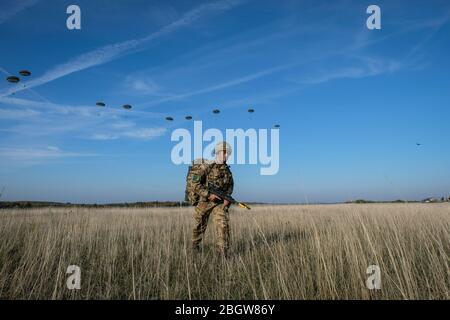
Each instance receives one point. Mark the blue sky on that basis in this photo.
(351, 102)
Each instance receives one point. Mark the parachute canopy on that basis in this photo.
(169, 118)
(216, 111)
(251, 110)
(25, 73)
(100, 104)
(12, 79)
(188, 118)
(276, 126)
(126, 106)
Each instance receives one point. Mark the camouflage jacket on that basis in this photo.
(219, 174)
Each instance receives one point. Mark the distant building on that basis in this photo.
(428, 200)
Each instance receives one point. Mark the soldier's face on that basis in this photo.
(222, 156)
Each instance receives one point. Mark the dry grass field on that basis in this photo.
(278, 252)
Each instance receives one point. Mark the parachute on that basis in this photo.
(169, 118)
(12, 79)
(188, 118)
(276, 126)
(216, 111)
(251, 110)
(101, 104)
(126, 106)
(25, 73)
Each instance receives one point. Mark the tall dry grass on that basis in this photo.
(278, 252)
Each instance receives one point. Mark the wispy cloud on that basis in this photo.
(9, 9)
(145, 133)
(81, 110)
(4, 71)
(50, 119)
(113, 51)
(141, 133)
(351, 72)
(18, 114)
(54, 107)
(43, 153)
(123, 124)
(370, 66)
(366, 67)
(436, 27)
(220, 86)
(143, 85)
(104, 136)
(373, 68)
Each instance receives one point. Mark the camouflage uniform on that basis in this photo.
(221, 176)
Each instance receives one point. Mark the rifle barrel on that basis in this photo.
(215, 190)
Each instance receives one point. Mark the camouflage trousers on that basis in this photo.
(221, 221)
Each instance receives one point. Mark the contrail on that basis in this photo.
(26, 88)
(114, 51)
(262, 73)
(14, 9)
(4, 71)
(221, 86)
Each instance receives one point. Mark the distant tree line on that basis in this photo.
(427, 200)
(40, 204)
(160, 204)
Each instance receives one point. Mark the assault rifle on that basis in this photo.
(213, 189)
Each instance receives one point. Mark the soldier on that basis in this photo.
(217, 172)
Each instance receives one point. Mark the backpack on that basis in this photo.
(198, 168)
